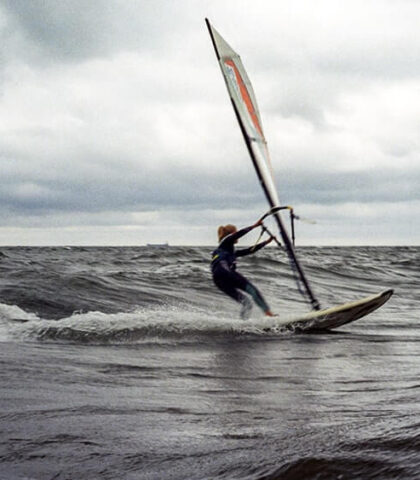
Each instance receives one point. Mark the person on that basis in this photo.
(223, 267)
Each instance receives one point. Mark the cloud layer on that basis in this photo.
(114, 118)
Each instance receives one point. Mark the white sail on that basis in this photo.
(245, 104)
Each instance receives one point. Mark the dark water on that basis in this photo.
(126, 363)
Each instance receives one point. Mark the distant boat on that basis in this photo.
(157, 245)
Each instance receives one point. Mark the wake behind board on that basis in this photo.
(337, 316)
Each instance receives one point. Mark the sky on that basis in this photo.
(116, 127)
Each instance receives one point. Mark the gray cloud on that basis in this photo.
(114, 113)
(111, 184)
(82, 29)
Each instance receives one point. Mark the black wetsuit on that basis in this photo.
(228, 280)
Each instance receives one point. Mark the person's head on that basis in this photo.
(225, 230)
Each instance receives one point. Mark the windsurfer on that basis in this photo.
(223, 267)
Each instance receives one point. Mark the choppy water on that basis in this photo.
(126, 363)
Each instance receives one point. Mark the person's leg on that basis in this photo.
(227, 282)
(252, 290)
(246, 307)
(257, 297)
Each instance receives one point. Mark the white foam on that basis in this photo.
(164, 322)
(13, 312)
(10, 314)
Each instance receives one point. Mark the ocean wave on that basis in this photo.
(129, 294)
(158, 324)
(336, 466)
(10, 315)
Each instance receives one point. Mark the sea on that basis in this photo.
(126, 363)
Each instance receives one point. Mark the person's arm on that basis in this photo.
(255, 248)
(231, 239)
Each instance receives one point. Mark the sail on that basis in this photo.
(246, 110)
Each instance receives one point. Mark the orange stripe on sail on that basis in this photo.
(245, 97)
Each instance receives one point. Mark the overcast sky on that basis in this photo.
(116, 127)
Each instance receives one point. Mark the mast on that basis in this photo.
(246, 111)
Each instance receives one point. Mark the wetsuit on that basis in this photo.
(228, 280)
